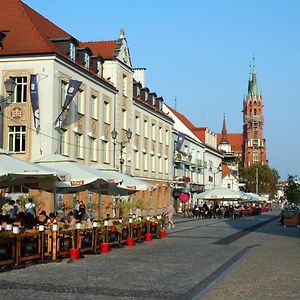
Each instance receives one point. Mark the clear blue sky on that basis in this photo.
(199, 52)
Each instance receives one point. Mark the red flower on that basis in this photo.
(113, 229)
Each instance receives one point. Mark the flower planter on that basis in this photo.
(104, 248)
(74, 253)
(162, 234)
(291, 221)
(148, 237)
(130, 242)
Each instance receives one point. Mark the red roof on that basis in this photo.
(234, 139)
(106, 49)
(182, 118)
(225, 170)
(26, 30)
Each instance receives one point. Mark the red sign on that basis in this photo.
(77, 182)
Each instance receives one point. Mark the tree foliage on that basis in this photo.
(260, 177)
(292, 190)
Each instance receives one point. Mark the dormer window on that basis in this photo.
(99, 68)
(86, 61)
(72, 51)
(146, 97)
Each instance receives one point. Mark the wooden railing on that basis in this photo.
(45, 244)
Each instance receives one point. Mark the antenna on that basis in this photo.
(175, 103)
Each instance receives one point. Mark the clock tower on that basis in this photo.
(254, 144)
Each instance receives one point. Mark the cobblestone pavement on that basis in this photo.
(249, 255)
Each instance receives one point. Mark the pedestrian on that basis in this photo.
(169, 211)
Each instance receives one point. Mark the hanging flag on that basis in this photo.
(179, 142)
(34, 94)
(72, 90)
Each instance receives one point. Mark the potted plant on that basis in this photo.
(104, 232)
(74, 251)
(161, 225)
(290, 216)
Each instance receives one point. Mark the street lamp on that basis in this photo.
(10, 85)
(114, 135)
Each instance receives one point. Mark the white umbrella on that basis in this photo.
(253, 197)
(219, 193)
(79, 177)
(126, 184)
(14, 171)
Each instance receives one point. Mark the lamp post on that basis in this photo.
(114, 135)
(10, 85)
(216, 172)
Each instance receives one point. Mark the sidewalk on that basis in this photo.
(270, 271)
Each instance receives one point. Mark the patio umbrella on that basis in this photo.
(79, 177)
(251, 197)
(127, 185)
(220, 193)
(14, 171)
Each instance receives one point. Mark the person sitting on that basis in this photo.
(42, 218)
(51, 220)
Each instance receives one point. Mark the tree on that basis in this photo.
(260, 179)
(292, 190)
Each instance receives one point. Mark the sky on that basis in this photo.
(199, 51)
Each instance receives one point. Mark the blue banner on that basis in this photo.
(34, 94)
(71, 92)
(179, 142)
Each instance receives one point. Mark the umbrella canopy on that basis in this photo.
(220, 193)
(14, 171)
(78, 177)
(251, 197)
(126, 184)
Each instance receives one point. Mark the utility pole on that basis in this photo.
(256, 178)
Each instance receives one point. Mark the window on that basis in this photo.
(167, 137)
(153, 132)
(94, 107)
(145, 161)
(64, 142)
(146, 96)
(80, 102)
(20, 94)
(254, 111)
(124, 119)
(137, 159)
(79, 145)
(146, 134)
(72, 50)
(93, 149)
(255, 143)
(105, 152)
(124, 85)
(160, 164)
(210, 179)
(160, 132)
(99, 68)
(106, 112)
(167, 165)
(17, 138)
(228, 185)
(137, 125)
(86, 61)
(153, 163)
(63, 92)
(255, 157)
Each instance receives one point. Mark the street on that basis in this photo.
(211, 259)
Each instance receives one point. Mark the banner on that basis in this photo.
(34, 94)
(179, 141)
(71, 91)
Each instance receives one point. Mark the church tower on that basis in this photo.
(254, 144)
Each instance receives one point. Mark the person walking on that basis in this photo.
(169, 211)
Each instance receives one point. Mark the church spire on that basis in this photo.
(252, 84)
(224, 132)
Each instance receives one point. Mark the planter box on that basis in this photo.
(291, 221)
